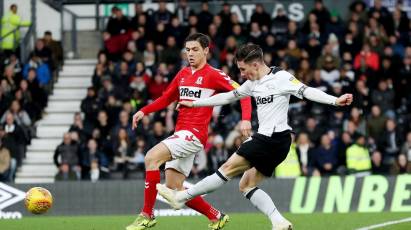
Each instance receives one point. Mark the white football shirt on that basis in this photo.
(272, 95)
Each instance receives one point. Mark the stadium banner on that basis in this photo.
(301, 195)
(295, 9)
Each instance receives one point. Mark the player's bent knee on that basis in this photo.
(244, 186)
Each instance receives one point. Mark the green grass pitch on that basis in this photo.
(238, 222)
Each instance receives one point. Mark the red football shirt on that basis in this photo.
(187, 85)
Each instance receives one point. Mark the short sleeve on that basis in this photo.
(244, 90)
(290, 85)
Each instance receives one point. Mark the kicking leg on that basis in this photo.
(154, 158)
(235, 165)
(175, 180)
(260, 199)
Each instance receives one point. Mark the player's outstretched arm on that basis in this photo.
(319, 96)
(218, 99)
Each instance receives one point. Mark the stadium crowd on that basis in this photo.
(24, 89)
(368, 54)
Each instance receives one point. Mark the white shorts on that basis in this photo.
(183, 146)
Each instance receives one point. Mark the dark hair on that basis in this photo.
(48, 32)
(249, 53)
(203, 39)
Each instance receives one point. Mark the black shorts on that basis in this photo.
(265, 153)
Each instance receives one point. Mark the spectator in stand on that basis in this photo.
(44, 53)
(123, 124)
(313, 130)
(4, 101)
(381, 13)
(90, 107)
(384, 98)
(171, 54)
(304, 150)
(205, 18)
(376, 123)
(121, 79)
(14, 139)
(225, 16)
(335, 25)
(405, 153)
(389, 142)
(118, 23)
(157, 134)
(183, 12)
(11, 78)
(322, 14)
(138, 11)
(150, 56)
(362, 95)
(279, 24)
(401, 165)
(358, 157)
(69, 165)
(6, 173)
(122, 151)
(366, 60)
(157, 86)
(176, 30)
(43, 75)
(103, 125)
(217, 154)
(113, 108)
(162, 15)
(11, 21)
(21, 117)
(261, 17)
(94, 163)
(79, 128)
(324, 158)
(139, 149)
(357, 120)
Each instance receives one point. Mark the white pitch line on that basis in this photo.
(385, 224)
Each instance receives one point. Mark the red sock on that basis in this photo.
(150, 191)
(203, 207)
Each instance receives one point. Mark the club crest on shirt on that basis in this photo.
(199, 81)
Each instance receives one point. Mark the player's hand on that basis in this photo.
(245, 127)
(136, 118)
(345, 99)
(188, 104)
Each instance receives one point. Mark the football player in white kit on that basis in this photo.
(258, 156)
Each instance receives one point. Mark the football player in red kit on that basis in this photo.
(198, 80)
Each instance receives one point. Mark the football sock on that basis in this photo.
(206, 185)
(150, 191)
(201, 206)
(265, 204)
